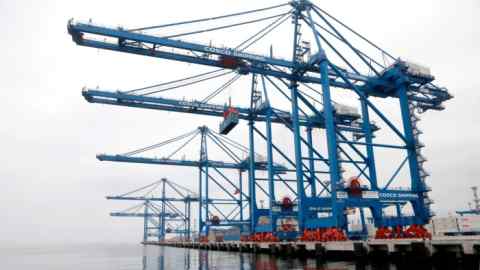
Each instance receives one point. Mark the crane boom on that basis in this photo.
(143, 198)
(134, 43)
(184, 163)
(121, 40)
(202, 108)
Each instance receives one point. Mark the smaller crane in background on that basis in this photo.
(475, 210)
(476, 200)
(160, 209)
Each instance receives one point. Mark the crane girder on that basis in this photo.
(153, 199)
(184, 163)
(202, 108)
(120, 214)
(257, 64)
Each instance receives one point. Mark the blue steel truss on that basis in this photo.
(224, 175)
(335, 64)
(165, 207)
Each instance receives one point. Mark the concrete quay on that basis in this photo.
(461, 248)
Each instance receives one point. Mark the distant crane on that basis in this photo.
(328, 182)
(160, 210)
(476, 200)
(476, 203)
(212, 174)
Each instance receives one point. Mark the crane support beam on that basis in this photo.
(208, 109)
(143, 198)
(130, 42)
(172, 162)
(184, 163)
(141, 214)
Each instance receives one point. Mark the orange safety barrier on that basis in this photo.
(383, 233)
(323, 235)
(263, 237)
(414, 231)
(417, 231)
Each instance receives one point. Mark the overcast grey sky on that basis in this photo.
(54, 187)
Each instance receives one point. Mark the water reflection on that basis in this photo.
(134, 257)
(160, 258)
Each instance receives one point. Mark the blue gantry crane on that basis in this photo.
(165, 208)
(226, 175)
(332, 157)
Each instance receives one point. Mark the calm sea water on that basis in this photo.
(137, 257)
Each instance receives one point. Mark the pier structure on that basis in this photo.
(464, 248)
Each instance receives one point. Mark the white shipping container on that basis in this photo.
(346, 110)
(429, 227)
(469, 223)
(445, 225)
(371, 230)
(355, 227)
(211, 236)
